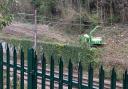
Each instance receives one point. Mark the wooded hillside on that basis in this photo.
(106, 10)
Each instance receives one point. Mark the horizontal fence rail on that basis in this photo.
(32, 73)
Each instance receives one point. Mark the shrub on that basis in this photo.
(75, 53)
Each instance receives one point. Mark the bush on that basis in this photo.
(75, 53)
(5, 20)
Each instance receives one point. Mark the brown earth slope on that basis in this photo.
(44, 33)
(115, 52)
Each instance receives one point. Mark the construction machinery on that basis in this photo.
(90, 40)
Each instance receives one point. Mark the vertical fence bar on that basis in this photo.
(52, 73)
(61, 74)
(32, 71)
(125, 80)
(70, 74)
(113, 79)
(30, 59)
(1, 66)
(35, 72)
(80, 75)
(15, 69)
(101, 78)
(8, 68)
(90, 77)
(43, 71)
(22, 69)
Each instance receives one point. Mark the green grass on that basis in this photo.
(66, 51)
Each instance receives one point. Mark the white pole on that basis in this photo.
(35, 29)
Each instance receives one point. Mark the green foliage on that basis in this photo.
(5, 17)
(5, 20)
(88, 56)
(3, 9)
(75, 53)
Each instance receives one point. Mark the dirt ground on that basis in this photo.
(115, 52)
(44, 32)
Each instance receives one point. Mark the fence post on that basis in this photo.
(8, 67)
(22, 69)
(52, 73)
(70, 74)
(113, 79)
(30, 74)
(80, 75)
(1, 66)
(43, 71)
(101, 78)
(35, 72)
(90, 77)
(124, 86)
(15, 69)
(125, 80)
(61, 74)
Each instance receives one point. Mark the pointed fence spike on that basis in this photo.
(8, 68)
(80, 75)
(70, 74)
(35, 71)
(52, 73)
(43, 58)
(90, 77)
(113, 79)
(15, 69)
(30, 68)
(61, 74)
(43, 71)
(101, 78)
(125, 80)
(22, 69)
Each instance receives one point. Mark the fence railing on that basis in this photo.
(33, 72)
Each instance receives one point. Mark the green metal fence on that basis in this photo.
(33, 73)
